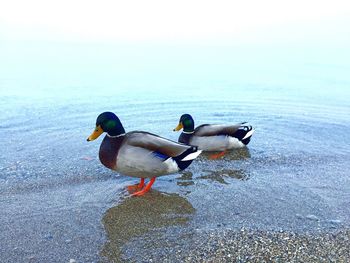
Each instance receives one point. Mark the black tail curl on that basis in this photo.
(242, 132)
(184, 164)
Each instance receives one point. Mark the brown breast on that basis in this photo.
(109, 150)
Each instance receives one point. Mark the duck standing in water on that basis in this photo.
(214, 137)
(139, 154)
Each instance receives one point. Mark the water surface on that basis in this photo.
(56, 198)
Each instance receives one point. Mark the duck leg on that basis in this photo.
(137, 186)
(217, 155)
(146, 189)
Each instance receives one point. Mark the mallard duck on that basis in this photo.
(214, 137)
(138, 153)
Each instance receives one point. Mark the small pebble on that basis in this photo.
(335, 221)
(312, 217)
(48, 236)
(299, 216)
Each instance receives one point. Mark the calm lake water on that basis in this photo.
(56, 198)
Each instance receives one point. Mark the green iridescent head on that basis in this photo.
(186, 123)
(107, 122)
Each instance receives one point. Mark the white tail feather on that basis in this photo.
(250, 133)
(192, 156)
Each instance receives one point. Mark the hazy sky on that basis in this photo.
(174, 21)
(49, 44)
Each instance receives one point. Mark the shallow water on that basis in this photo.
(56, 198)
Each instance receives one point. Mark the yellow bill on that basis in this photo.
(178, 127)
(95, 134)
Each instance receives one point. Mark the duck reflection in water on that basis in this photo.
(135, 217)
(220, 175)
(212, 171)
(234, 155)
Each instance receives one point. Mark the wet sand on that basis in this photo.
(198, 215)
(241, 246)
(204, 214)
(158, 228)
(246, 206)
(54, 224)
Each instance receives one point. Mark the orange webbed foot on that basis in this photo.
(217, 155)
(146, 189)
(135, 187)
(139, 193)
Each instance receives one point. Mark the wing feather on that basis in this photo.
(216, 129)
(156, 143)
